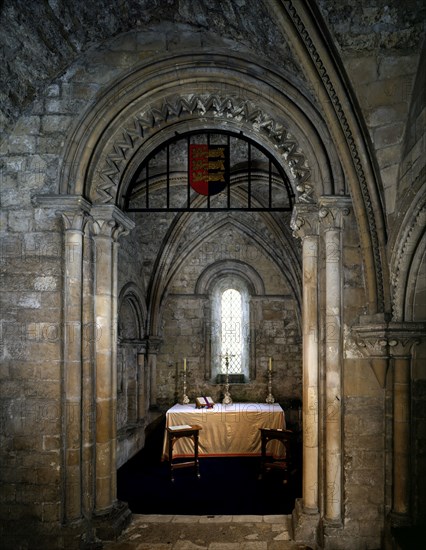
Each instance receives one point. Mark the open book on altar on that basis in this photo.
(201, 402)
(180, 427)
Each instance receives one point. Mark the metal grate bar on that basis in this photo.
(207, 204)
(213, 209)
(147, 187)
(168, 177)
(249, 174)
(188, 185)
(228, 189)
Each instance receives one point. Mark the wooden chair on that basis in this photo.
(286, 466)
(175, 433)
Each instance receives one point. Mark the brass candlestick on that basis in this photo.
(270, 399)
(185, 399)
(227, 399)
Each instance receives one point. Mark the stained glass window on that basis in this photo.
(231, 331)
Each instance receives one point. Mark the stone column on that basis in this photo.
(109, 223)
(141, 392)
(74, 220)
(402, 338)
(73, 211)
(386, 344)
(331, 215)
(305, 226)
(401, 430)
(90, 333)
(153, 347)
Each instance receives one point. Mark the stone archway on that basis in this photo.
(136, 115)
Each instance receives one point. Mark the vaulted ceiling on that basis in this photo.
(40, 39)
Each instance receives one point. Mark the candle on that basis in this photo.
(184, 364)
(270, 364)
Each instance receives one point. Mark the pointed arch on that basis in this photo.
(408, 253)
(131, 296)
(171, 259)
(305, 29)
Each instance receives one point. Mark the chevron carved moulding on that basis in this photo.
(214, 107)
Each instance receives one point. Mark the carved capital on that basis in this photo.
(304, 220)
(368, 333)
(74, 220)
(142, 347)
(110, 221)
(154, 343)
(73, 209)
(333, 210)
(373, 345)
(402, 346)
(384, 339)
(371, 339)
(402, 337)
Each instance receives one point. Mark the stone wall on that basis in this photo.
(364, 448)
(56, 34)
(32, 334)
(376, 45)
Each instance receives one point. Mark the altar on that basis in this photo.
(227, 430)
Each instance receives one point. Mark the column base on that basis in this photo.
(399, 520)
(400, 533)
(109, 525)
(305, 523)
(333, 536)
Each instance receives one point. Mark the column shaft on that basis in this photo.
(153, 348)
(73, 371)
(401, 436)
(333, 421)
(110, 223)
(90, 333)
(105, 419)
(310, 373)
(141, 386)
(114, 348)
(152, 368)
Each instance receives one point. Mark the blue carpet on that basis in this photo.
(228, 486)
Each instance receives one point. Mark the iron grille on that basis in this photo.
(252, 180)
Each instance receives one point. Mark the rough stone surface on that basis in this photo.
(56, 33)
(227, 533)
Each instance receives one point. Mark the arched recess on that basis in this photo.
(149, 106)
(130, 297)
(408, 257)
(408, 268)
(131, 375)
(241, 269)
(303, 25)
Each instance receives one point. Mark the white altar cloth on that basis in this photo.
(227, 430)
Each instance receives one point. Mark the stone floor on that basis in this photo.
(158, 532)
